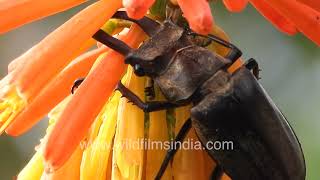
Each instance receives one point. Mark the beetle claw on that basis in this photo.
(76, 84)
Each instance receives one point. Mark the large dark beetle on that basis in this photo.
(226, 106)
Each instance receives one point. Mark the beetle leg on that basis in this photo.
(145, 106)
(171, 152)
(217, 173)
(253, 65)
(112, 42)
(234, 54)
(148, 25)
(76, 84)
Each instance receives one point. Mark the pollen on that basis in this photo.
(10, 106)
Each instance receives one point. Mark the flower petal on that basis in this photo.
(130, 130)
(137, 8)
(11, 104)
(306, 19)
(235, 5)
(236, 65)
(20, 62)
(69, 171)
(223, 51)
(12, 101)
(311, 3)
(15, 13)
(198, 14)
(52, 54)
(88, 100)
(96, 156)
(184, 166)
(225, 177)
(277, 19)
(158, 132)
(53, 93)
(216, 47)
(34, 169)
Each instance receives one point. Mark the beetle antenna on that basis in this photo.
(234, 54)
(148, 25)
(112, 42)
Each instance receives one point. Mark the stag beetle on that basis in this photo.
(225, 106)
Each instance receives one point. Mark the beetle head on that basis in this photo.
(153, 56)
(140, 66)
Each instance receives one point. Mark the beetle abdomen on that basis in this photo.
(236, 109)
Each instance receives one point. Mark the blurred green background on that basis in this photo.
(290, 73)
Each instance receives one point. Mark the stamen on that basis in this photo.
(10, 106)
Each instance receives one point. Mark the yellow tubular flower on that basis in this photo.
(10, 106)
(216, 47)
(221, 50)
(69, 171)
(128, 153)
(34, 169)
(158, 132)
(184, 166)
(109, 166)
(95, 160)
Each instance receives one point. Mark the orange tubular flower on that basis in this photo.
(306, 19)
(198, 15)
(137, 8)
(89, 99)
(58, 88)
(13, 65)
(41, 64)
(87, 22)
(14, 13)
(235, 5)
(12, 101)
(288, 16)
(277, 19)
(311, 3)
(54, 92)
